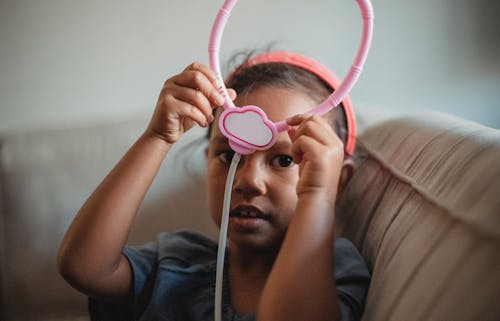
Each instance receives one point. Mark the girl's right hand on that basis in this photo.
(185, 100)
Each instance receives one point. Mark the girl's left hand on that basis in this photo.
(320, 155)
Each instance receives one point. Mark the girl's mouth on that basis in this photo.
(248, 212)
(248, 217)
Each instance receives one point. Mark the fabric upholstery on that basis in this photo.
(47, 175)
(423, 207)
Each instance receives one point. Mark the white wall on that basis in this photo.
(67, 62)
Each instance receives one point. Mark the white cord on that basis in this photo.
(223, 236)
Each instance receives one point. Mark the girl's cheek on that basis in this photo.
(288, 177)
(215, 195)
(216, 177)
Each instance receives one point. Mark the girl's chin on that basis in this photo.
(247, 224)
(254, 239)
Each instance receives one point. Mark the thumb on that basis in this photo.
(296, 119)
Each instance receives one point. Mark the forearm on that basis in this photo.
(93, 243)
(301, 285)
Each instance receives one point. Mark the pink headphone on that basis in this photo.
(247, 128)
(316, 69)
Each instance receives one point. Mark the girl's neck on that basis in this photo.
(248, 272)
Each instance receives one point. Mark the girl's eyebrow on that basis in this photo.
(282, 144)
(220, 140)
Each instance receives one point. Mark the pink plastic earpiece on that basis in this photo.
(247, 128)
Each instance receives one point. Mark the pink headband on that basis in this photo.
(318, 70)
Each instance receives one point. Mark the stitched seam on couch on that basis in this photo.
(451, 211)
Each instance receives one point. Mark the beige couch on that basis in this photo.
(424, 209)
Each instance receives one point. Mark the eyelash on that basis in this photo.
(288, 161)
(226, 156)
(280, 161)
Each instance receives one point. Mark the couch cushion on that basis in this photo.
(46, 177)
(424, 209)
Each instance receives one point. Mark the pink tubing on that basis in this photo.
(214, 48)
(352, 76)
(334, 99)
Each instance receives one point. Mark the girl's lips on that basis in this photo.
(248, 212)
(248, 218)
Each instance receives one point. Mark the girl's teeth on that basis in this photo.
(249, 214)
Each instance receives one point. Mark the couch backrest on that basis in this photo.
(424, 209)
(45, 178)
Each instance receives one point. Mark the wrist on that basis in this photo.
(150, 137)
(315, 212)
(319, 192)
(317, 198)
(154, 136)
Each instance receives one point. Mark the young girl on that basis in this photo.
(283, 261)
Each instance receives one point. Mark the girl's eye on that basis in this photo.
(282, 161)
(226, 156)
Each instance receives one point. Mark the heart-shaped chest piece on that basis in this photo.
(248, 129)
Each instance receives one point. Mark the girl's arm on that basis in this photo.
(90, 256)
(301, 285)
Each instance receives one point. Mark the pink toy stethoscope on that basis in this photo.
(248, 129)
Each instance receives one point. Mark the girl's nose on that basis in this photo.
(249, 180)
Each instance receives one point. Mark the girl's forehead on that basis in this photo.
(277, 103)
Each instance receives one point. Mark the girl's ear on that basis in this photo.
(345, 176)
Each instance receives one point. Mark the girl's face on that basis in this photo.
(264, 195)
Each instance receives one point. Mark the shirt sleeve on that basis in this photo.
(157, 271)
(352, 279)
(143, 262)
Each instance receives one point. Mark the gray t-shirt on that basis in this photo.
(174, 280)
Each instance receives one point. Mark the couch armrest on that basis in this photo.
(424, 209)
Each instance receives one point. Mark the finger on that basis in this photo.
(314, 129)
(300, 118)
(191, 112)
(294, 122)
(211, 75)
(230, 94)
(321, 142)
(292, 132)
(328, 134)
(324, 129)
(322, 120)
(204, 69)
(197, 80)
(195, 98)
(304, 145)
(296, 119)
